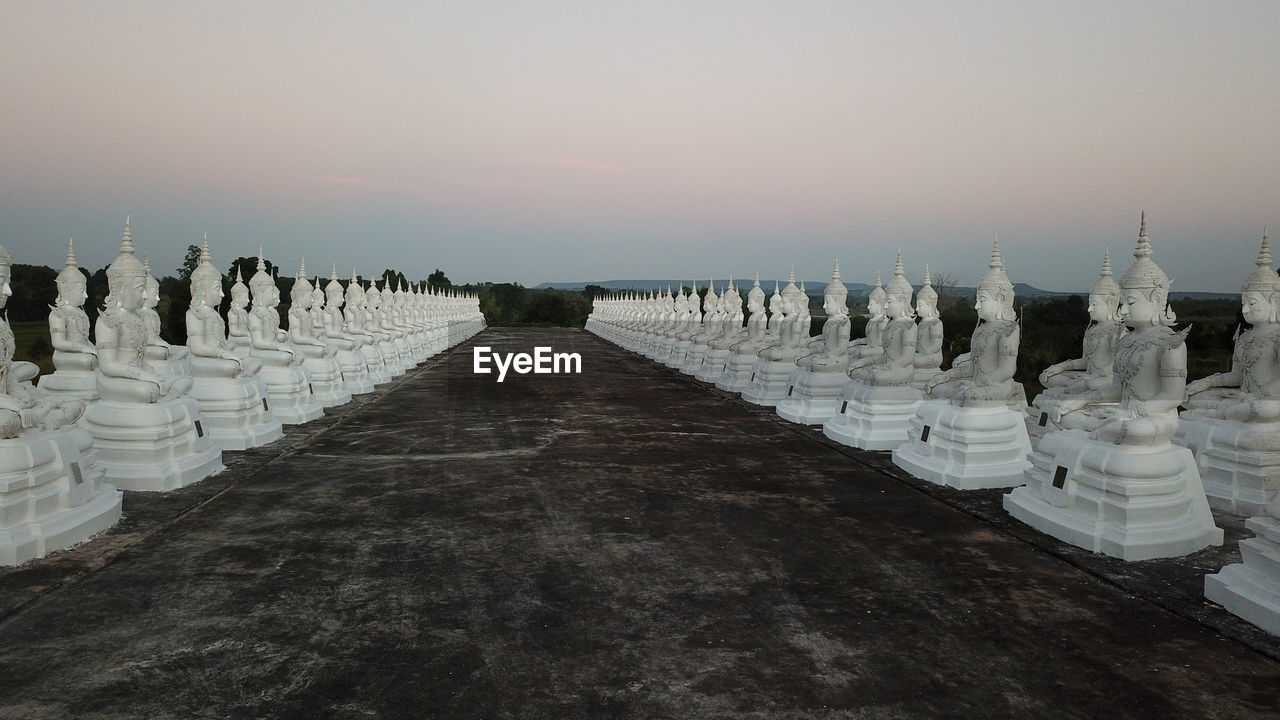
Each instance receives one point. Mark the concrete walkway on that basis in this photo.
(625, 543)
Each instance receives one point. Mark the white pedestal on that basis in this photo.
(712, 366)
(325, 377)
(1239, 462)
(769, 382)
(234, 412)
(378, 373)
(355, 372)
(289, 394)
(679, 350)
(152, 446)
(693, 359)
(963, 447)
(873, 417)
(71, 384)
(1133, 503)
(1251, 589)
(51, 494)
(812, 398)
(737, 372)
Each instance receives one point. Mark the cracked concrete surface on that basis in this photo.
(624, 543)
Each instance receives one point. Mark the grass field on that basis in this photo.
(28, 336)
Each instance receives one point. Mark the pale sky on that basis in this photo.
(596, 140)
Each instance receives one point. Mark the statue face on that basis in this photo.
(151, 295)
(988, 306)
(239, 296)
(131, 293)
(875, 306)
(213, 294)
(73, 293)
(926, 308)
(894, 307)
(1255, 306)
(5, 291)
(1136, 309)
(1100, 307)
(303, 300)
(833, 305)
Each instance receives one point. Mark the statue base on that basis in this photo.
(873, 417)
(1251, 589)
(71, 384)
(737, 372)
(769, 382)
(152, 446)
(391, 359)
(325, 376)
(378, 373)
(289, 395)
(1239, 462)
(235, 413)
(693, 359)
(679, 350)
(712, 366)
(1133, 503)
(663, 353)
(51, 494)
(354, 372)
(920, 377)
(968, 448)
(812, 398)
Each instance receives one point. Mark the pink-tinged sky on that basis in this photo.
(594, 140)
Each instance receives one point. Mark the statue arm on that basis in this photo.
(109, 361)
(61, 340)
(1173, 382)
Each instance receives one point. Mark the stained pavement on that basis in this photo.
(625, 543)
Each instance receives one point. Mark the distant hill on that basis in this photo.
(814, 289)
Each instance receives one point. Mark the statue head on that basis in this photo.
(355, 293)
(1144, 288)
(372, 297)
(710, 301)
(1104, 297)
(72, 285)
(897, 301)
(152, 296)
(206, 280)
(300, 294)
(755, 297)
(239, 291)
(317, 296)
(126, 277)
(333, 290)
(995, 292)
(876, 298)
(263, 286)
(927, 298)
(776, 300)
(1260, 293)
(6, 274)
(835, 296)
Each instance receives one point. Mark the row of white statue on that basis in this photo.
(1102, 459)
(128, 410)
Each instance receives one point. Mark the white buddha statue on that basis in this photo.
(744, 353)
(929, 335)
(869, 344)
(390, 341)
(673, 326)
(392, 321)
(367, 340)
(814, 385)
(1232, 420)
(346, 346)
(711, 325)
(148, 432)
(1122, 488)
(75, 358)
(878, 402)
(164, 358)
(238, 338)
(319, 360)
(52, 496)
(232, 398)
(690, 326)
(970, 433)
(288, 390)
(1091, 371)
(730, 334)
(772, 371)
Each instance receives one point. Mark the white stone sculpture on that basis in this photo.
(699, 341)
(367, 340)
(742, 355)
(51, 492)
(147, 431)
(232, 398)
(929, 335)
(1091, 371)
(288, 390)
(814, 386)
(967, 435)
(346, 346)
(731, 333)
(319, 361)
(75, 358)
(1123, 489)
(772, 371)
(692, 325)
(239, 339)
(1232, 420)
(390, 342)
(167, 360)
(879, 402)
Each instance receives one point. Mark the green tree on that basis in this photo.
(556, 307)
(189, 262)
(438, 279)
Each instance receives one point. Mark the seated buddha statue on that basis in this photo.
(929, 335)
(302, 333)
(239, 339)
(206, 332)
(986, 378)
(267, 340)
(894, 365)
(165, 358)
(75, 358)
(1092, 370)
(869, 344)
(833, 353)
